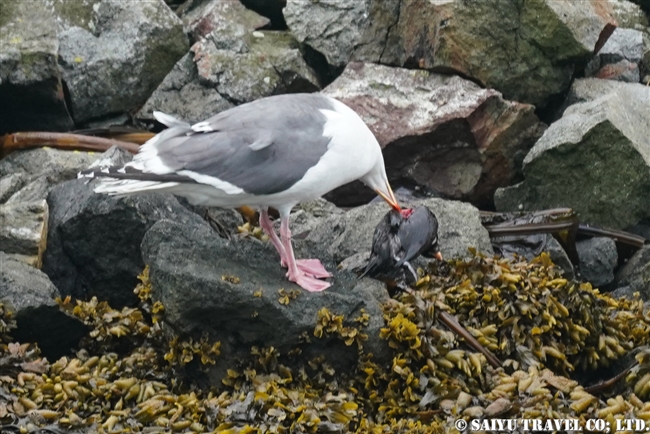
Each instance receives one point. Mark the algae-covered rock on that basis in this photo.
(113, 54)
(596, 160)
(528, 51)
(236, 292)
(270, 63)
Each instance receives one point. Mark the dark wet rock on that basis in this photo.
(94, 243)
(29, 293)
(193, 273)
(343, 30)
(598, 259)
(595, 160)
(42, 168)
(442, 133)
(113, 54)
(350, 233)
(636, 273)
(31, 92)
(183, 96)
(620, 57)
(641, 228)
(23, 230)
(476, 40)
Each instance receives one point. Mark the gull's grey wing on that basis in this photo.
(262, 147)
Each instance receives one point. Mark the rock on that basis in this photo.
(342, 30)
(440, 132)
(595, 159)
(598, 258)
(113, 54)
(9, 184)
(271, 61)
(628, 14)
(308, 215)
(182, 96)
(34, 191)
(641, 229)
(30, 295)
(42, 168)
(272, 9)
(350, 233)
(232, 63)
(619, 58)
(476, 40)
(231, 290)
(589, 89)
(31, 92)
(94, 243)
(228, 22)
(23, 230)
(636, 273)
(530, 246)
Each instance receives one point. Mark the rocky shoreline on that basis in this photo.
(482, 107)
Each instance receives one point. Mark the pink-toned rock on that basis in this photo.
(443, 133)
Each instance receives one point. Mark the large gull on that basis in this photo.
(273, 152)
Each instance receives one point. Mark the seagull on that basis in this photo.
(400, 237)
(275, 152)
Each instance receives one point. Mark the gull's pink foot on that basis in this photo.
(313, 267)
(308, 283)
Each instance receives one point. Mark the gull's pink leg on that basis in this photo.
(267, 226)
(294, 274)
(312, 267)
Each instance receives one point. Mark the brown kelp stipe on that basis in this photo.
(66, 141)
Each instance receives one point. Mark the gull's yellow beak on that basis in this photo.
(389, 197)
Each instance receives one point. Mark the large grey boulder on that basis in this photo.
(236, 292)
(440, 132)
(113, 54)
(31, 92)
(269, 63)
(93, 247)
(30, 295)
(595, 159)
(342, 30)
(350, 233)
